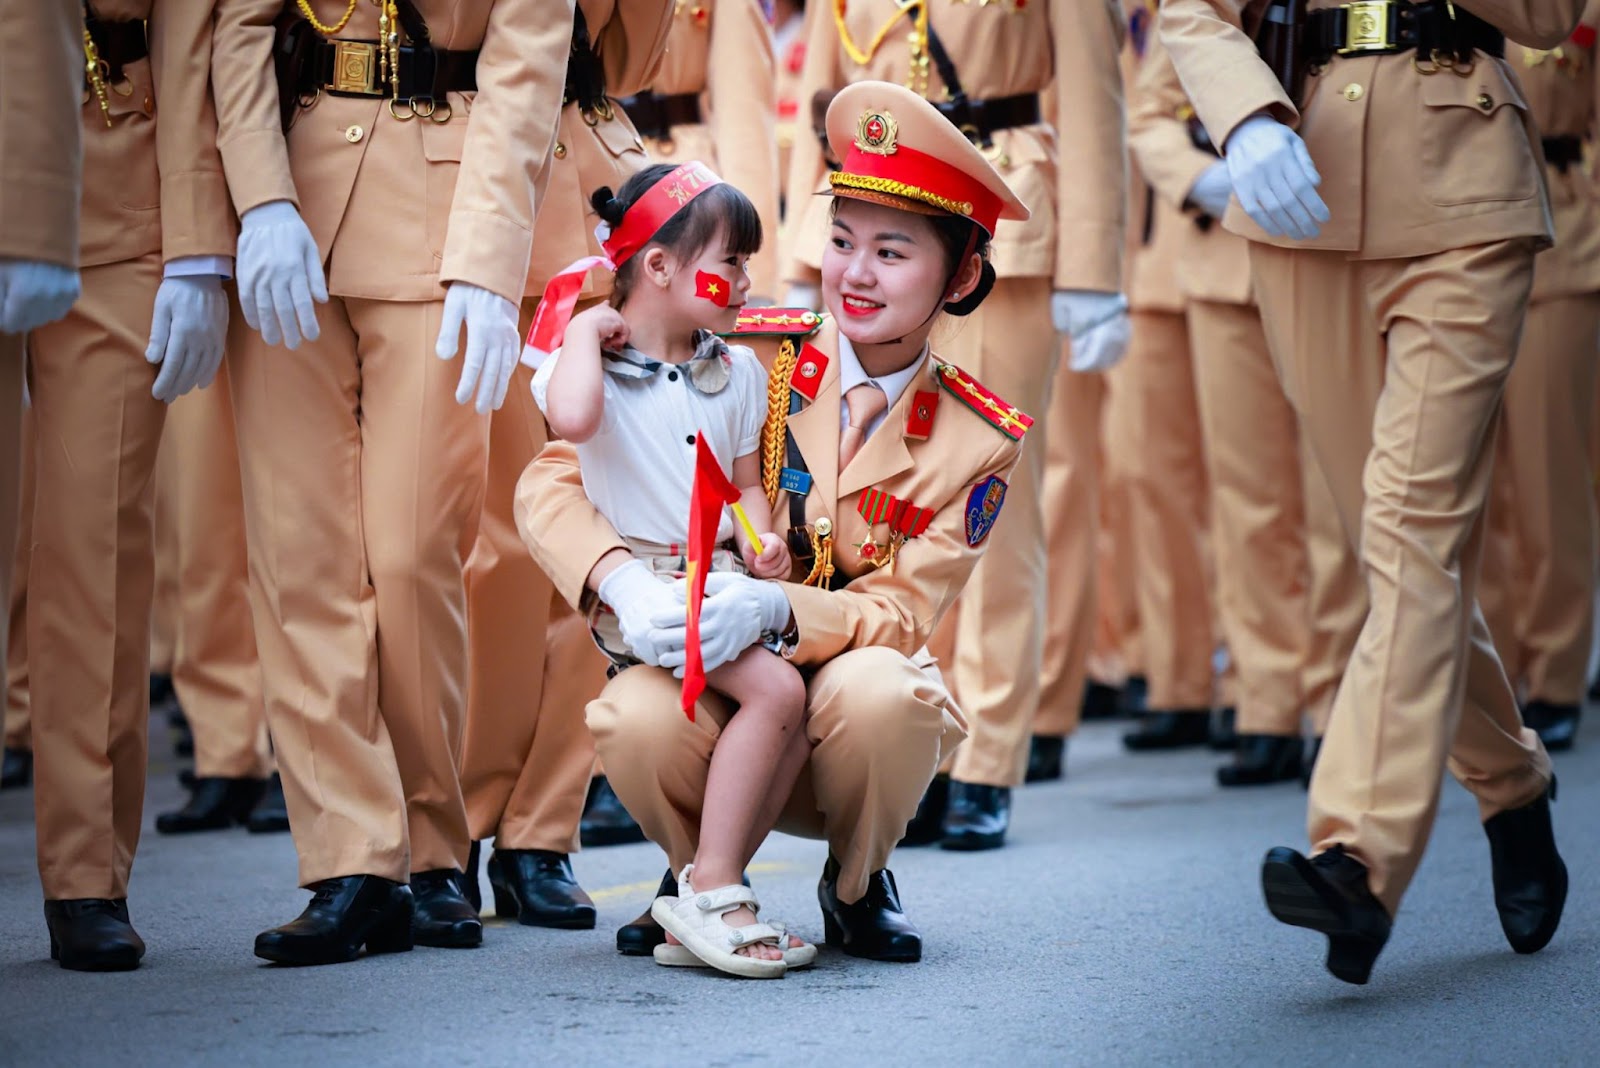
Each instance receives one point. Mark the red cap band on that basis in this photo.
(918, 176)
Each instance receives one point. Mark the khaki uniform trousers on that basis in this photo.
(18, 720)
(363, 483)
(1115, 654)
(1168, 512)
(214, 667)
(90, 578)
(1252, 456)
(1539, 566)
(880, 725)
(165, 603)
(1336, 598)
(994, 633)
(1072, 512)
(527, 758)
(1410, 476)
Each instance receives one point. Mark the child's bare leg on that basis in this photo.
(749, 753)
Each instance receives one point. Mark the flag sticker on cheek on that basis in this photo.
(712, 287)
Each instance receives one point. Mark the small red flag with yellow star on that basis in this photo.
(712, 287)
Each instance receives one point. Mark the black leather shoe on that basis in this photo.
(927, 826)
(1224, 737)
(1328, 893)
(271, 814)
(93, 935)
(641, 937)
(1169, 730)
(215, 805)
(344, 915)
(443, 918)
(874, 928)
(469, 879)
(1556, 725)
(978, 817)
(161, 692)
(1309, 765)
(17, 769)
(605, 820)
(1101, 701)
(1261, 759)
(1135, 696)
(1530, 880)
(1046, 758)
(538, 888)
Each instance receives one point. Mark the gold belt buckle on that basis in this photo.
(1366, 27)
(355, 68)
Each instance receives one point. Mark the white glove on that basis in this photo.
(1274, 178)
(280, 274)
(1211, 191)
(803, 295)
(33, 293)
(737, 610)
(637, 597)
(493, 344)
(187, 334)
(1096, 322)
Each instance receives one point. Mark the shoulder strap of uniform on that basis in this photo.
(1003, 416)
(797, 322)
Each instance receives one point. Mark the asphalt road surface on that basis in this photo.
(1123, 924)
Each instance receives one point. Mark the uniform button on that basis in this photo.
(672, 376)
(690, 439)
(1353, 92)
(354, 134)
(1485, 101)
(561, 150)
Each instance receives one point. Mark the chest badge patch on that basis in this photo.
(983, 508)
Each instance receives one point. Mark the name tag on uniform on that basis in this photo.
(792, 481)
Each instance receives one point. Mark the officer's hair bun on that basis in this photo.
(607, 206)
(969, 304)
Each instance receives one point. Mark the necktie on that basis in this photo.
(864, 403)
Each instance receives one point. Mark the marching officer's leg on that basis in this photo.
(18, 769)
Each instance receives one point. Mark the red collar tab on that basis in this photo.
(919, 419)
(653, 210)
(1004, 417)
(809, 370)
(1583, 36)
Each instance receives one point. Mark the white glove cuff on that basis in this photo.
(775, 608)
(626, 583)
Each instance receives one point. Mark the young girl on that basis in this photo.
(634, 385)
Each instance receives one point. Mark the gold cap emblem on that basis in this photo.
(877, 133)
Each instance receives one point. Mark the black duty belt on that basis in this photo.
(981, 119)
(353, 68)
(118, 43)
(1563, 152)
(1436, 31)
(655, 114)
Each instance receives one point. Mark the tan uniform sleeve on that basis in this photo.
(41, 146)
(1535, 23)
(196, 217)
(249, 131)
(1091, 173)
(806, 165)
(559, 525)
(1167, 158)
(631, 43)
(510, 140)
(898, 607)
(740, 80)
(1222, 74)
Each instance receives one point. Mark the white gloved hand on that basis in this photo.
(737, 610)
(637, 597)
(33, 293)
(1212, 190)
(803, 295)
(493, 345)
(280, 274)
(1274, 178)
(188, 333)
(1096, 322)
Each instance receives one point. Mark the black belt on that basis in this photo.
(655, 114)
(118, 43)
(1563, 152)
(1435, 30)
(981, 119)
(353, 68)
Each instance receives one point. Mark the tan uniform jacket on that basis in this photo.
(1561, 86)
(148, 185)
(1384, 167)
(895, 607)
(397, 208)
(594, 150)
(1073, 181)
(723, 52)
(1213, 264)
(1158, 234)
(41, 151)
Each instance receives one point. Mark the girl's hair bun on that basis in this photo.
(607, 206)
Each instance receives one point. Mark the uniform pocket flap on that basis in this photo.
(444, 142)
(1485, 90)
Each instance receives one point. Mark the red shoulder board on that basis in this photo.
(809, 368)
(801, 321)
(1004, 417)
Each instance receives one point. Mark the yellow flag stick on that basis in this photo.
(749, 527)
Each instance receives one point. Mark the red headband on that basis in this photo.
(640, 223)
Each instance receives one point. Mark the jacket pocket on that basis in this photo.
(443, 145)
(1474, 138)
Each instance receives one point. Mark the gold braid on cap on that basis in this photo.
(900, 189)
(775, 429)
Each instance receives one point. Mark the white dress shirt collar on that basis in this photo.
(851, 374)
